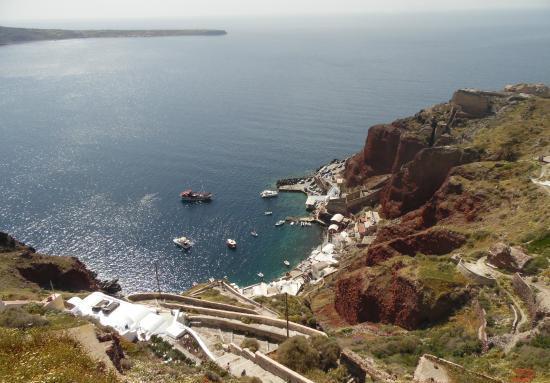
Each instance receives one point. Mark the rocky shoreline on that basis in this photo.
(34, 270)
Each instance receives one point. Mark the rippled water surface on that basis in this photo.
(98, 137)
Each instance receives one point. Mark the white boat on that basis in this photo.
(253, 233)
(269, 194)
(260, 274)
(292, 223)
(183, 242)
(268, 212)
(231, 243)
(280, 223)
(286, 263)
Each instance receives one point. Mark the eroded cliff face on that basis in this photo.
(387, 295)
(26, 269)
(453, 180)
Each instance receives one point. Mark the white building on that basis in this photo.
(130, 320)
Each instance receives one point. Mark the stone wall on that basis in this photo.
(270, 365)
(190, 301)
(527, 295)
(226, 324)
(280, 323)
(360, 368)
(472, 275)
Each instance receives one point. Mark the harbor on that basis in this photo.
(342, 229)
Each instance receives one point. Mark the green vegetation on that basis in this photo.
(250, 343)
(214, 295)
(298, 308)
(38, 356)
(317, 357)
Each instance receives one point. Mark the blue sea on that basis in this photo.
(99, 136)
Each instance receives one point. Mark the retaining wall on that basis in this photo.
(248, 300)
(478, 278)
(280, 323)
(227, 324)
(190, 301)
(359, 368)
(524, 291)
(270, 365)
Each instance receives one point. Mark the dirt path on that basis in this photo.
(86, 336)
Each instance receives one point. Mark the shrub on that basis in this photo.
(297, 354)
(536, 264)
(251, 344)
(15, 317)
(329, 351)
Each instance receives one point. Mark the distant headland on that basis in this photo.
(9, 35)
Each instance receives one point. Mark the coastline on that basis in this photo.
(319, 187)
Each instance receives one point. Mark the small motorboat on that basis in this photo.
(231, 243)
(268, 213)
(254, 233)
(286, 263)
(183, 242)
(269, 194)
(260, 274)
(280, 223)
(292, 223)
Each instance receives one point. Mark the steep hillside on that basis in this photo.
(464, 176)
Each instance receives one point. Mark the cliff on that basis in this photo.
(26, 274)
(9, 35)
(459, 177)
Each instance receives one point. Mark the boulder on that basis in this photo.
(511, 258)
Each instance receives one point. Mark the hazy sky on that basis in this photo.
(98, 9)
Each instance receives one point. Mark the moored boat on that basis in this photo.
(183, 242)
(280, 223)
(231, 243)
(269, 194)
(192, 196)
(286, 263)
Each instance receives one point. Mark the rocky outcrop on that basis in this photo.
(64, 273)
(416, 182)
(433, 241)
(74, 277)
(113, 348)
(511, 258)
(377, 156)
(389, 297)
(533, 89)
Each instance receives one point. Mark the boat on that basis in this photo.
(254, 233)
(280, 223)
(286, 263)
(192, 196)
(269, 194)
(268, 212)
(260, 274)
(183, 242)
(231, 243)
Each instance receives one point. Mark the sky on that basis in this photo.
(14, 10)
